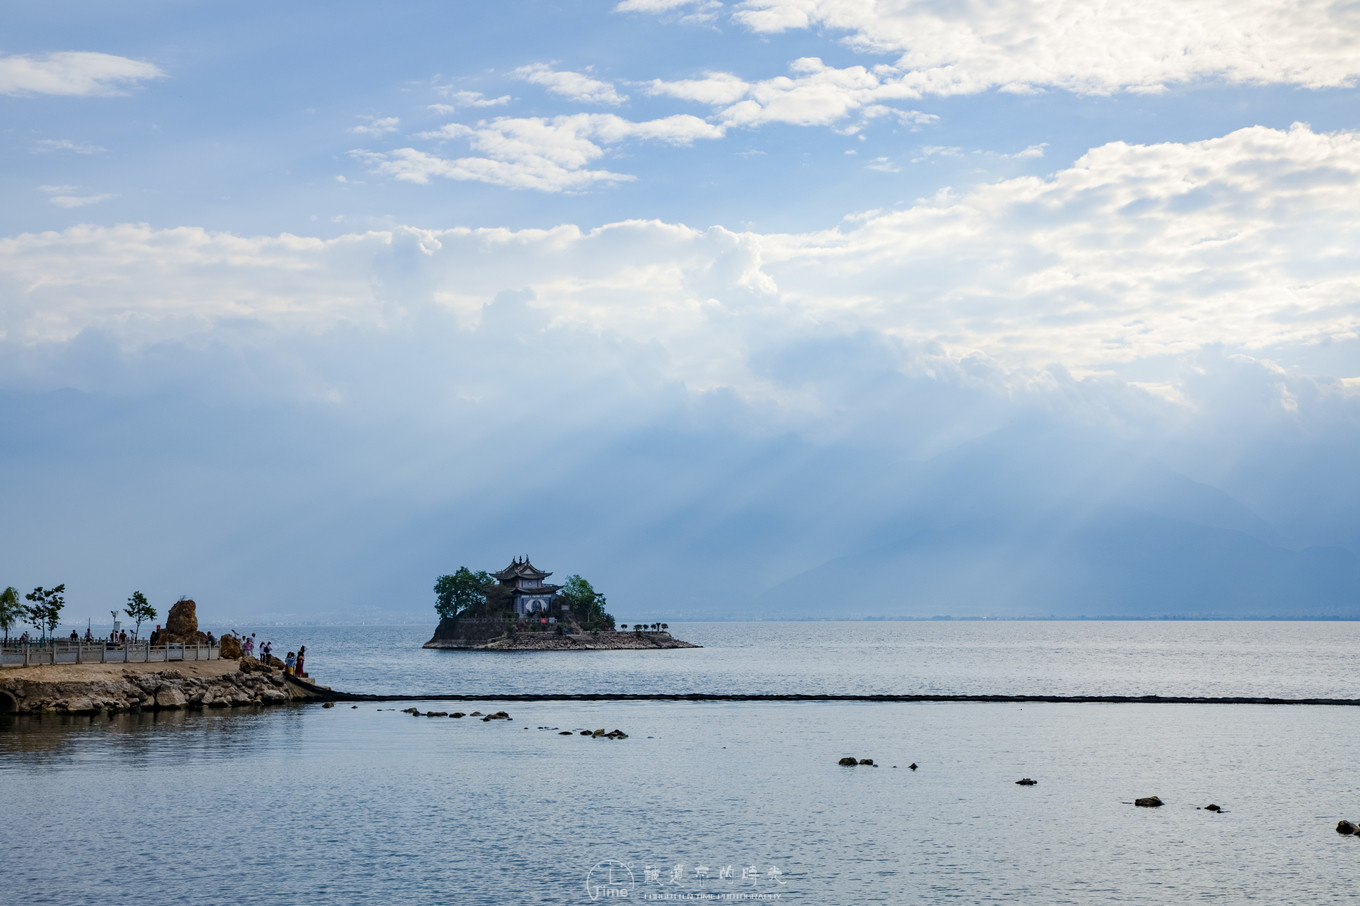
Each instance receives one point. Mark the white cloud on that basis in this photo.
(815, 95)
(574, 86)
(689, 11)
(1123, 45)
(546, 154)
(65, 144)
(378, 126)
(73, 73)
(65, 197)
(461, 98)
(78, 201)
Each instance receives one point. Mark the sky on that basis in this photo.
(740, 309)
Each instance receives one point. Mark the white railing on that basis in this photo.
(65, 652)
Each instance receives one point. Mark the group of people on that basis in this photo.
(292, 664)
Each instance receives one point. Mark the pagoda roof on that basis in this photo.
(540, 590)
(520, 569)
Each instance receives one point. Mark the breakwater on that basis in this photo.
(795, 697)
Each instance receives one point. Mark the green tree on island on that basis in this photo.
(585, 603)
(139, 609)
(45, 611)
(461, 592)
(11, 611)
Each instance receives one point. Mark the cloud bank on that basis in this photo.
(1017, 45)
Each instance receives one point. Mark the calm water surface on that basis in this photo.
(369, 805)
(1285, 660)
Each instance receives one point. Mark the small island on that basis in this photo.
(516, 610)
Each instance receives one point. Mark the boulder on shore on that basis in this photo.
(170, 698)
(181, 626)
(231, 647)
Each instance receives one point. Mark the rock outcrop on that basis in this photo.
(1148, 802)
(231, 647)
(181, 626)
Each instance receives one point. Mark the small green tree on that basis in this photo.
(585, 603)
(139, 609)
(11, 611)
(460, 592)
(45, 611)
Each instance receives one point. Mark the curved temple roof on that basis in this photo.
(520, 569)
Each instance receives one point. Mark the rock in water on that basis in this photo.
(1026, 782)
(231, 647)
(868, 761)
(848, 762)
(1345, 827)
(912, 765)
(1211, 807)
(1148, 802)
(169, 698)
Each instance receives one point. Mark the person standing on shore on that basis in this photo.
(288, 663)
(297, 669)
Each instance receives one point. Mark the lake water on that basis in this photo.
(721, 801)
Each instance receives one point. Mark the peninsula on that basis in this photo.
(517, 610)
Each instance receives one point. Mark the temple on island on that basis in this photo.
(526, 585)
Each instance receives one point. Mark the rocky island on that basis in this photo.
(516, 610)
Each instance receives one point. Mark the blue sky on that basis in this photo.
(353, 294)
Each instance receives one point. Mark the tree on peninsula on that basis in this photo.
(460, 592)
(45, 611)
(139, 609)
(585, 603)
(11, 611)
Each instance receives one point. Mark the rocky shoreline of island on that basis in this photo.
(603, 640)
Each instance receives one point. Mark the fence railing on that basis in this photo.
(62, 652)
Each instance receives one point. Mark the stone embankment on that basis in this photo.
(93, 688)
(583, 641)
